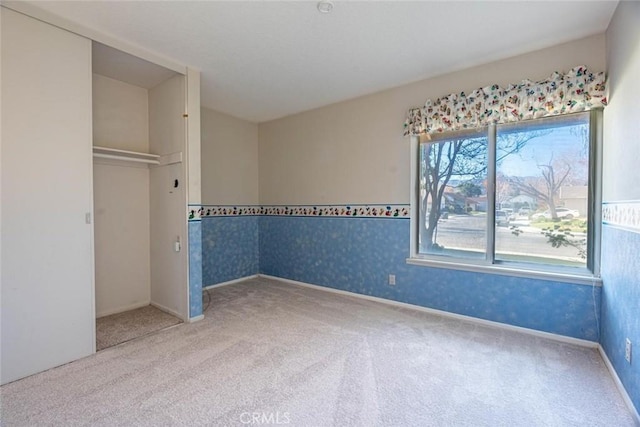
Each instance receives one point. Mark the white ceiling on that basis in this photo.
(262, 60)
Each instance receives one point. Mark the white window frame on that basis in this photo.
(588, 276)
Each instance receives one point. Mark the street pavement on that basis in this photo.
(468, 232)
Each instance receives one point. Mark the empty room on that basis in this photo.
(320, 213)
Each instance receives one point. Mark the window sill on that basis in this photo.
(579, 279)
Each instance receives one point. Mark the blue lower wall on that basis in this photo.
(195, 269)
(358, 254)
(621, 304)
(229, 248)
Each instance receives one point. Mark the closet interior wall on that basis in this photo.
(139, 207)
(121, 198)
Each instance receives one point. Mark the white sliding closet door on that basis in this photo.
(47, 256)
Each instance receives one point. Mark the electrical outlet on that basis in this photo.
(627, 351)
(392, 280)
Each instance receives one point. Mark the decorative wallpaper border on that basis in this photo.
(366, 211)
(624, 214)
(197, 212)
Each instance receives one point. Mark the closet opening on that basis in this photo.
(139, 141)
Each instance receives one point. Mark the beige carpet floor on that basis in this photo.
(122, 327)
(275, 353)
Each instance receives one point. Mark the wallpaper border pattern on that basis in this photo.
(387, 211)
(622, 214)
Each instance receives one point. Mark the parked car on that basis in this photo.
(502, 219)
(510, 213)
(563, 213)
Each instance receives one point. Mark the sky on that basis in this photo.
(559, 143)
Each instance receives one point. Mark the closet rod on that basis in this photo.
(107, 150)
(125, 158)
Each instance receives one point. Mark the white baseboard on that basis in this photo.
(547, 335)
(168, 310)
(231, 282)
(196, 319)
(621, 389)
(122, 309)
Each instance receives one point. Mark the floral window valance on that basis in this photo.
(577, 90)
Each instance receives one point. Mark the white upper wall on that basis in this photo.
(354, 152)
(120, 115)
(229, 160)
(621, 124)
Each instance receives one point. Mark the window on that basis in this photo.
(453, 176)
(521, 195)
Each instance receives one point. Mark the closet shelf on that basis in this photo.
(124, 155)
